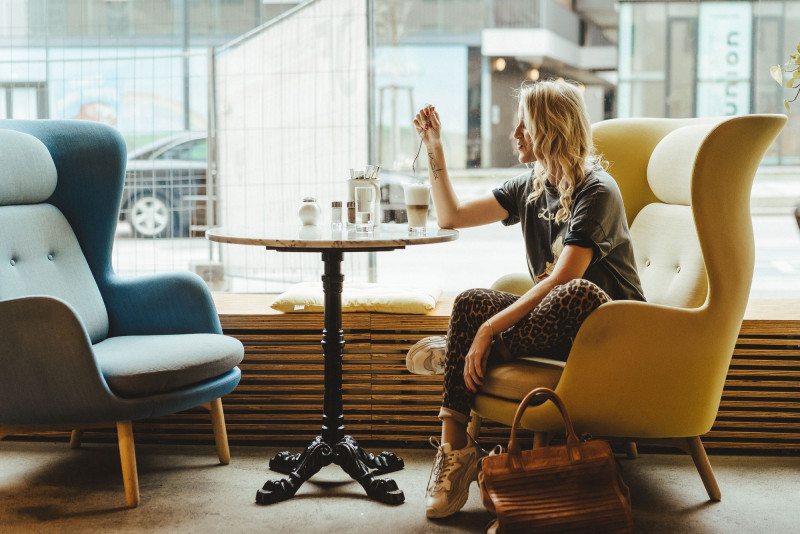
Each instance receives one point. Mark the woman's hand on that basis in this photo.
(428, 125)
(475, 362)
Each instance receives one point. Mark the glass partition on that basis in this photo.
(234, 111)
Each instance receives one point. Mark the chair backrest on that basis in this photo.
(675, 173)
(665, 242)
(39, 252)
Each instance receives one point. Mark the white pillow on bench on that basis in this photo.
(366, 297)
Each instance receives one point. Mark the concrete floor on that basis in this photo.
(47, 487)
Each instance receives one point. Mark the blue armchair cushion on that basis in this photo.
(136, 366)
(26, 168)
(40, 255)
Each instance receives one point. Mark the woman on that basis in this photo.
(579, 255)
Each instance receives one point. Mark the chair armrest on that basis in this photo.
(173, 303)
(633, 360)
(49, 374)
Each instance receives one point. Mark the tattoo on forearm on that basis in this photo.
(432, 166)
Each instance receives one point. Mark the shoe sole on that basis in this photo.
(455, 506)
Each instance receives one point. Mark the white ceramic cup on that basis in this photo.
(417, 201)
(365, 208)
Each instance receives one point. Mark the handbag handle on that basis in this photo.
(572, 438)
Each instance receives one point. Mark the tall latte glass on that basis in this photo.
(417, 198)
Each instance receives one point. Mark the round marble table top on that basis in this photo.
(315, 238)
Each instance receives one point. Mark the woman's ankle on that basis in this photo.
(455, 434)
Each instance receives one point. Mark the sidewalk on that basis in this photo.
(776, 189)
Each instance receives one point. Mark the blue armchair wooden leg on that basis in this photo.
(220, 432)
(75, 438)
(127, 456)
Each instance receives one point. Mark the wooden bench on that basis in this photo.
(280, 396)
(279, 400)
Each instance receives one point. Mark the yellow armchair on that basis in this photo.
(654, 371)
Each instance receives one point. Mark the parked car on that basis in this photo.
(164, 186)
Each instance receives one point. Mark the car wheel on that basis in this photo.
(150, 215)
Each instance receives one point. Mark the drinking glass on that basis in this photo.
(365, 208)
(417, 197)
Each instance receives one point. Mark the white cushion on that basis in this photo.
(366, 297)
(669, 171)
(668, 256)
(27, 172)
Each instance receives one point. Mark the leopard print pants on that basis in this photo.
(547, 331)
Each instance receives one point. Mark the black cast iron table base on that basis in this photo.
(348, 454)
(333, 446)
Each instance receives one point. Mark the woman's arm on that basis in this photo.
(572, 263)
(450, 212)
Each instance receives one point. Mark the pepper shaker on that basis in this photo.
(336, 215)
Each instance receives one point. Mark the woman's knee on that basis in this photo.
(468, 299)
(581, 290)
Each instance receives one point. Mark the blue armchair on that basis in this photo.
(81, 347)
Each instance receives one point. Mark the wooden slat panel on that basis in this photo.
(744, 341)
(762, 413)
(781, 352)
(279, 399)
(731, 393)
(740, 362)
(766, 372)
(762, 383)
(760, 404)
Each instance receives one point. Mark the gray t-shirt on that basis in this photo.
(598, 222)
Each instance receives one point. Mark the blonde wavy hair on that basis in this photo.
(554, 114)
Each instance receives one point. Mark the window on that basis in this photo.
(296, 93)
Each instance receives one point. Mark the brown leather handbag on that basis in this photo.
(574, 487)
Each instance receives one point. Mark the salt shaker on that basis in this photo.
(336, 215)
(309, 211)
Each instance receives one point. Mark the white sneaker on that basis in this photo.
(452, 473)
(426, 357)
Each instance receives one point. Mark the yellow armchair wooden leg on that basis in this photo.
(540, 439)
(75, 438)
(631, 450)
(703, 466)
(220, 432)
(474, 426)
(127, 456)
